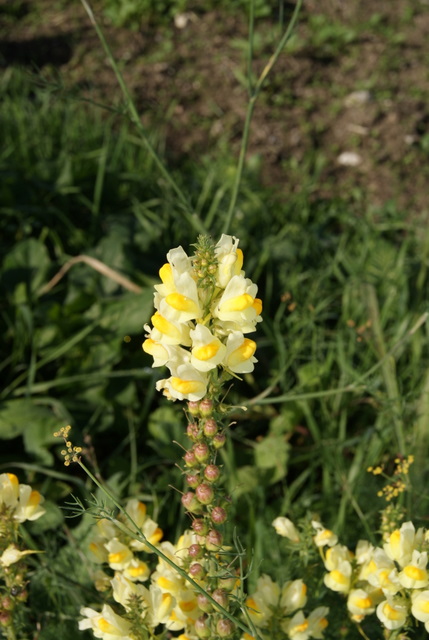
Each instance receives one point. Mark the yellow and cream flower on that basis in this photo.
(392, 613)
(185, 383)
(106, 625)
(239, 353)
(401, 544)
(239, 305)
(415, 575)
(293, 596)
(207, 350)
(230, 260)
(286, 528)
(420, 607)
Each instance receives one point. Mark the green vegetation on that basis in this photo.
(342, 379)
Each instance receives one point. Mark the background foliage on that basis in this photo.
(342, 379)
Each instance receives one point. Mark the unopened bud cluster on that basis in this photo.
(206, 503)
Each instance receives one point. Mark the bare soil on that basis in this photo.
(346, 107)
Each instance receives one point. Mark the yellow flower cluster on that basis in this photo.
(392, 580)
(168, 598)
(204, 307)
(285, 603)
(18, 501)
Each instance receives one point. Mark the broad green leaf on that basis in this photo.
(272, 454)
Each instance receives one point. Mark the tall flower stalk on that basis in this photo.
(205, 307)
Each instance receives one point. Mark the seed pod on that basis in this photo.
(200, 526)
(194, 408)
(193, 480)
(219, 440)
(202, 628)
(210, 428)
(195, 551)
(201, 452)
(225, 628)
(206, 407)
(204, 603)
(192, 431)
(190, 459)
(190, 502)
(211, 473)
(218, 515)
(204, 493)
(197, 571)
(213, 540)
(221, 597)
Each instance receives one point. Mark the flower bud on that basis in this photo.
(6, 603)
(219, 440)
(204, 493)
(202, 628)
(201, 452)
(193, 480)
(190, 459)
(197, 571)
(206, 407)
(5, 619)
(227, 583)
(194, 408)
(218, 515)
(200, 526)
(225, 628)
(211, 473)
(204, 603)
(213, 540)
(221, 597)
(190, 502)
(192, 431)
(195, 551)
(210, 428)
(22, 595)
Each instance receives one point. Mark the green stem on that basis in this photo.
(185, 208)
(138, 533)
(251, 105)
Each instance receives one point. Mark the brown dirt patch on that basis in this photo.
(189, 84)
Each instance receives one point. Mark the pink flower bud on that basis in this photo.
(211, 473)
(202, 628)
(197, 571)
(204, 603)
(201, 452)
(192, 431)
(190, 459)
(225, 628)
(190, 502)
(204, 493)
(218, 515)
(200, 526)
(219, 440)
(206, 407)
(210, 428)
(195, 551)
(213, 540)
(221, 597)
(194, 408)
(227, 583)
(193, 480)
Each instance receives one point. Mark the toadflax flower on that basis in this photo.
(204, 306)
